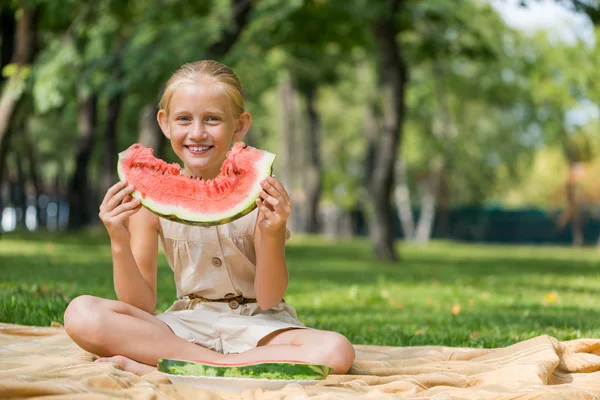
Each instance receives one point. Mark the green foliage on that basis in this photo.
(446, 294)
(482, 99)
(52, 83)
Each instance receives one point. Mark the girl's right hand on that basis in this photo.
(115, 210)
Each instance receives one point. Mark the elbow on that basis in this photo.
(267, 304)
(148, 306)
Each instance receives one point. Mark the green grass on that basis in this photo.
(499, 294)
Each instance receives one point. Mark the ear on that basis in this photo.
(163, 122)
(243, 124)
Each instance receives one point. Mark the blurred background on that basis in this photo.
(471, 120)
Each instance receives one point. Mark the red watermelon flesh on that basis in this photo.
(162, 188)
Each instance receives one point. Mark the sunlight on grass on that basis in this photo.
(445, 294)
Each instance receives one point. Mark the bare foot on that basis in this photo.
(128, 364)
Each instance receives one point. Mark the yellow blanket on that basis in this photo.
(43, 361)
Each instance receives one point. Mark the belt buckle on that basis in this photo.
(193, 299)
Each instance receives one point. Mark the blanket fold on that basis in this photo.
(42, 362)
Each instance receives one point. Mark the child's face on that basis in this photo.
(201, 127)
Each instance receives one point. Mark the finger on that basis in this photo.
(263, 207)
(124, 207)
(127, 199)
(113, 190)
(126, 214)
(281, 189)
(271, 200)
(271, 182)
(278, 202)
(268, 206)
(117, 198)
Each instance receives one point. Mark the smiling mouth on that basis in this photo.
(198, 149)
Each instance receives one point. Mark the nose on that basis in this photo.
(197, 131)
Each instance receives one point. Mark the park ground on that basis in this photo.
(446, 293)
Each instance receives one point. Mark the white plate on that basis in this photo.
(233, 384)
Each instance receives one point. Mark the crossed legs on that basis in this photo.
(121, 333)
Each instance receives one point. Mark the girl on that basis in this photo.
(230, 278)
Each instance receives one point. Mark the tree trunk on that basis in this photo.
(34, 171)
(370, 127)
(109, 161)
(392, 81)
(286, 167)
(443, 128)
(24, 51)
(150, 134)
(444, 207)
(403, 203)
(312, 164)
(573, 190)
(20, 198)
(78, 192)
(429, 189)
(4, 154)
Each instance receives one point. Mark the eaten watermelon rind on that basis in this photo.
(264, 167)
(262, 370)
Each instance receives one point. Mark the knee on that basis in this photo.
(83, 317)
(338, 352)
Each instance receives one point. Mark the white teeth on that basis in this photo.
(199, 148)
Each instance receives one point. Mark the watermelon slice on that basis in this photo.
(162, 189)
(279, 370)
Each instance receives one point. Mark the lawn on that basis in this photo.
(448, 293)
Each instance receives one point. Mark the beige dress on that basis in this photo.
(215, 263)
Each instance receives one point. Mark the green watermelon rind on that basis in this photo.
(265, 370)
(177, 214)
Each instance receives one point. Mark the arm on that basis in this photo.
(133, 235)
(271, 279)
(135, 264)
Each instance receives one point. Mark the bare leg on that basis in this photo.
(304, 345)
(135, 339)
(108, 328)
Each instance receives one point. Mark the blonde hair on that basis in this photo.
(221, 75)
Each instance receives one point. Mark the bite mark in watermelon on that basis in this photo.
(260, 370)
(162, 189)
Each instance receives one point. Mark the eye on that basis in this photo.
(183, 118)
(213, 119)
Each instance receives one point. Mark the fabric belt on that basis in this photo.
(234, 301)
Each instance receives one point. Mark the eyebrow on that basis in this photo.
(177, 112)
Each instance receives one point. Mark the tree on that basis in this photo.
(383, 148)
(468, 105)
(18, 69)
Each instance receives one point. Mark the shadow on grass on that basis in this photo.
(92, 236)
(94, 267)
(349, 265)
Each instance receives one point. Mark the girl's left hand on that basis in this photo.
(274, 205)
